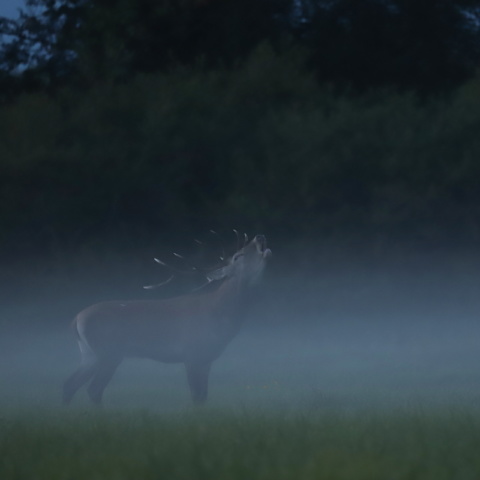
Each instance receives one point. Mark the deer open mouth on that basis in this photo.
(261, 243)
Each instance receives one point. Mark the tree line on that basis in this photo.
(123, 119)
(429, 45)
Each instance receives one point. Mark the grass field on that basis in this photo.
(385, 392)
(217, 444)
(338, 411)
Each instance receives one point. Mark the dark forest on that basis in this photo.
(328, 118)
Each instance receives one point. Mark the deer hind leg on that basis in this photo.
(75, 381)
(103, 373)
(197, 376)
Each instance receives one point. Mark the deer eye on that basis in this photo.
(236, 257)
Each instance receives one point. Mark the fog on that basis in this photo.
(345, 338)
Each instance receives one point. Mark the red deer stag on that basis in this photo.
(191, 329)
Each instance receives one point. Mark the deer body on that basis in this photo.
(191, 329)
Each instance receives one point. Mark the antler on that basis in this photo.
(213, 232)
(151, 287)
(210, 274)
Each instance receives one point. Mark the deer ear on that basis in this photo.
(218, 274)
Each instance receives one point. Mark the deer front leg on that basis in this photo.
(104, 370)
(75, 381)
(197, 376)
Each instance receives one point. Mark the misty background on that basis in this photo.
(345, 131)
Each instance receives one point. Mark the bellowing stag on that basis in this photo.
(192, 329)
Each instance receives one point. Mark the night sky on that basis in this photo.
(9, 8)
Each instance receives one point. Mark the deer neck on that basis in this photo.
(231, 303)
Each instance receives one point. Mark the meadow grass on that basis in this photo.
(337, 400)
(219, 444)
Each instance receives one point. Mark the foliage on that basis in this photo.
(81, 41)
(261, 146)
(427, 46)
